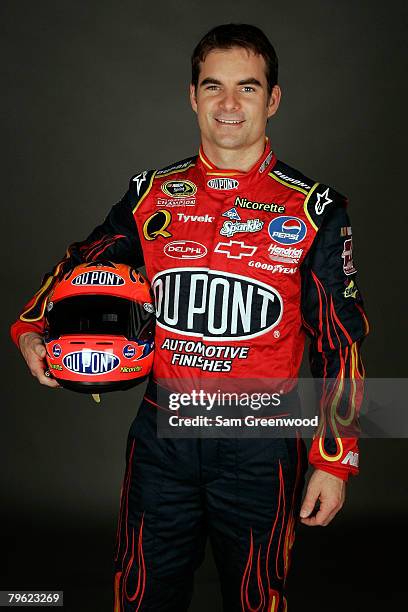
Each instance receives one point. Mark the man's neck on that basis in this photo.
(237, 159)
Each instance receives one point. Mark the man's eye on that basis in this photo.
(212, 87)
(248, 88)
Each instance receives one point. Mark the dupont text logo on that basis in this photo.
(90, 362)
(98, 277)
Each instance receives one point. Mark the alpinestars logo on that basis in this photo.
(322, 201)
(216, 305)
(139, 179)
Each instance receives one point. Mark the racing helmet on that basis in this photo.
(99, 328)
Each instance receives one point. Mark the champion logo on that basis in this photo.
(90, 362)
(98, 277)
(216, 305)
(223, 184)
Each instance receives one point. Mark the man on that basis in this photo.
(244, 254)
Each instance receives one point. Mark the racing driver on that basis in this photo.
(246, 256)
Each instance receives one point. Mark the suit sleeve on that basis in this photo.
(334, 318)
(116, 239)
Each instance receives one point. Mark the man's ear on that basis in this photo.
(274, 100)
(193, 97)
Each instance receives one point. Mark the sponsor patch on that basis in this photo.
(214, 304)
(322, 201)
(127, 369)
(156, 225)
(148, 307)
(185, 249)
(179, 189)
(173, 203)
(139, 180)
(286, 255)
(223, 184)
(98, 277)
(56, 350)
(235, 249)
(56, 366)
(195, 218)
(230, 228)
(266, 206)
(287, 230)
(129, 351)
(291, 180)
(90, 362)
(232, 214)
(265, 163)
(274, 268)
(180, 166)
(347, 255)
(351, 290)
(207, 357)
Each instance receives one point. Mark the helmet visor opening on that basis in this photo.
(100, 315)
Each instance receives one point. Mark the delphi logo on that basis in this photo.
(287, 230)
(215, 304)
(90, 362)
(185, 249)
(98, 277)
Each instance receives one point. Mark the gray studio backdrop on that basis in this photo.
(93, 92)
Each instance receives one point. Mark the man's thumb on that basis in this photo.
(307, 507)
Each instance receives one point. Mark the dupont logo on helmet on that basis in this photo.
(179, 189)
(90, 362)
(98, 277)
(185, 249)
(223, 184)
(287, 230)
(215, 304)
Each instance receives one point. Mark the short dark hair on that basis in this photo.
(236, 35)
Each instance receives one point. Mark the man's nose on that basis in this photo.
(229, 101)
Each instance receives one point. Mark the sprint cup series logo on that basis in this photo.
(215, 305)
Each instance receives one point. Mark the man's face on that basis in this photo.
(231, 100)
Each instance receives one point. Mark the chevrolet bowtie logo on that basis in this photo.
(235, 249)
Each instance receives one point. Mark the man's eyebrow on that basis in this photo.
(249, 81)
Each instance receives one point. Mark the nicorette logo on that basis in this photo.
(287, 230)
(223, 184)
(98, 277)
(214, 304)
(185, 249)
(90, 362)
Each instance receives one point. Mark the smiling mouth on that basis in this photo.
(230, 121)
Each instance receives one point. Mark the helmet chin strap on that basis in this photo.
(96, 397)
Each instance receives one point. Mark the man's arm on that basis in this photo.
(334, 318)
(116, 239)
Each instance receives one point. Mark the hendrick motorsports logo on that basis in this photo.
(185, 249)
(179, 189)
(98, 277)
(90, 362)
(214, 304)
(223, 184)
(287, 230)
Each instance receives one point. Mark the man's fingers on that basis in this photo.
(324, 516)
(309, 503)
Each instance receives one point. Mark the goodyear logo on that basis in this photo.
(179, 189)
(90, 362)
(98, 277)
(215, 304)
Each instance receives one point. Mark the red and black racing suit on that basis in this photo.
(242, 265)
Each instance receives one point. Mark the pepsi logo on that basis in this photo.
(56, 350)
(287, 230)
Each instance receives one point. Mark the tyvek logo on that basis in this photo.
(214, 304)
(90, 362)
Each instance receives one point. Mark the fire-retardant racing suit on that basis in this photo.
(241, 265)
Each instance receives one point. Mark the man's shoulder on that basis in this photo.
(141, 183)
(319, 198)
